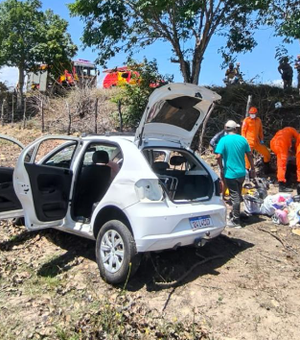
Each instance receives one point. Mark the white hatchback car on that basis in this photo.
(135, 194)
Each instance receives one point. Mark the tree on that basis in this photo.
(29, 37)
(116, 25)
(132, 99)
(284, 16)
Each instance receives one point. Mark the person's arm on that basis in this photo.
(260, 131)
(220, 163)
(213, 141)
(251, 161)
(244, 128)
(295, 134)
(216, 138)
(279, 69)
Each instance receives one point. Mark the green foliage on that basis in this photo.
(282, 52)
(283, 16)
(116, 25)
(134, 98)
(29, 36)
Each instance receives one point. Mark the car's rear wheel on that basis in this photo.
(116, 253)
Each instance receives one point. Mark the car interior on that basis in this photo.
(182, 176)
(8, 198)
(99, 166)
(9, 152)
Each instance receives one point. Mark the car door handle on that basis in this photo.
(4, 185)
(48, 191)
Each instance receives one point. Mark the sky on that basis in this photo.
(259, 64)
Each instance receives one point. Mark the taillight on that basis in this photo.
(149, 189)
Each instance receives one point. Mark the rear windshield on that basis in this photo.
(178, 111)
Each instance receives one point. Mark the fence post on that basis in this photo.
(2, 112)
(120, 115)
(249, 100)
(204, 126)
(42, 114)
(70, 118)
(12, 108)
(96, 115)
(24, 113)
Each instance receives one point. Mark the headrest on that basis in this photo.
(100, 156)
(177, 160)
(159, 166)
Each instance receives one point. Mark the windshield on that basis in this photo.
(179, 111)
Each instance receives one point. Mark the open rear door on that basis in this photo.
(10, 149)
(174, 113)
(43, 179)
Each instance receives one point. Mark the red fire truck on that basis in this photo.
(81, 73)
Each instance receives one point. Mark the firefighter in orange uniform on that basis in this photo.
(252, 130)
(281, 144)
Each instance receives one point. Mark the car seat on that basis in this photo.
(93, 183)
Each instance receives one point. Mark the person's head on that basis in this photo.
(252, 112)
(231, 126)
(231, 66)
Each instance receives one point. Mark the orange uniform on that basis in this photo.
(252, 130)
(280, 145)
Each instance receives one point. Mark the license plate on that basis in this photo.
(200, 222)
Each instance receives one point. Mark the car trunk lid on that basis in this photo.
(174, 113)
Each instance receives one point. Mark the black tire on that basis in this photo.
(116, 263)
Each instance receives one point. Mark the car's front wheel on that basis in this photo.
(116, 253)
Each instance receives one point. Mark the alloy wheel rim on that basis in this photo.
(112, 251)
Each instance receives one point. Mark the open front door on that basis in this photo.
(43, 179)
(10, 149)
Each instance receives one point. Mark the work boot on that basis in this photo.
(284, 188)
(267, 168)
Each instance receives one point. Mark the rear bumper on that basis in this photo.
(159, 226)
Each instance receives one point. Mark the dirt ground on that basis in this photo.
(242, 285)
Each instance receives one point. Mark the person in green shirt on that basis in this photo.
(231, 151)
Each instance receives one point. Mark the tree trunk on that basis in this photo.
(20, 86)
(185, 70)
(196, 67)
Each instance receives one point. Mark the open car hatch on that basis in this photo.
(175, 112)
